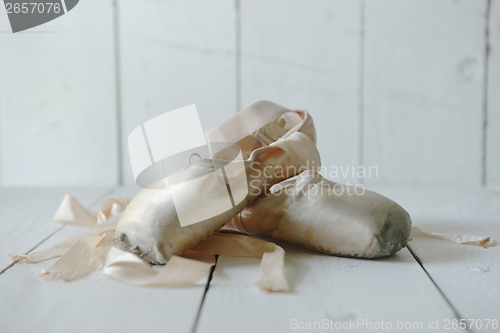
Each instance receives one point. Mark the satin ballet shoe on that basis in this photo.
(329, 217)
(160, 222)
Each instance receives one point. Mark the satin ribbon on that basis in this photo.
(454, 238)
(85, 252)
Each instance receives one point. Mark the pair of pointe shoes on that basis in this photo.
(276, 144)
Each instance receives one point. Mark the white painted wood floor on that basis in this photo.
(451, 281)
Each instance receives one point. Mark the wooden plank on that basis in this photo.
(493, 103)
(93, 303)
(468, 275)
(305, 54)
(57, 100)
(423, 91)
(173, 54)
(26, 215)
(324, 287)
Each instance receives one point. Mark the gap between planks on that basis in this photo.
(237, 8)
(361, 88)
(452, 307)
(207, 286)
(484, 147)
(118, 90)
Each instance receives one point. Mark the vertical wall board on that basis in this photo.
(493, 103)
(173, 54)
(57, 100)
(423, 91)
(304, 54)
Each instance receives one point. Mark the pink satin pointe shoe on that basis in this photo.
(329, 217)
(178, 212)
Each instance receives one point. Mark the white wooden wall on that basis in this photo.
(407, 86)
(492, 139)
